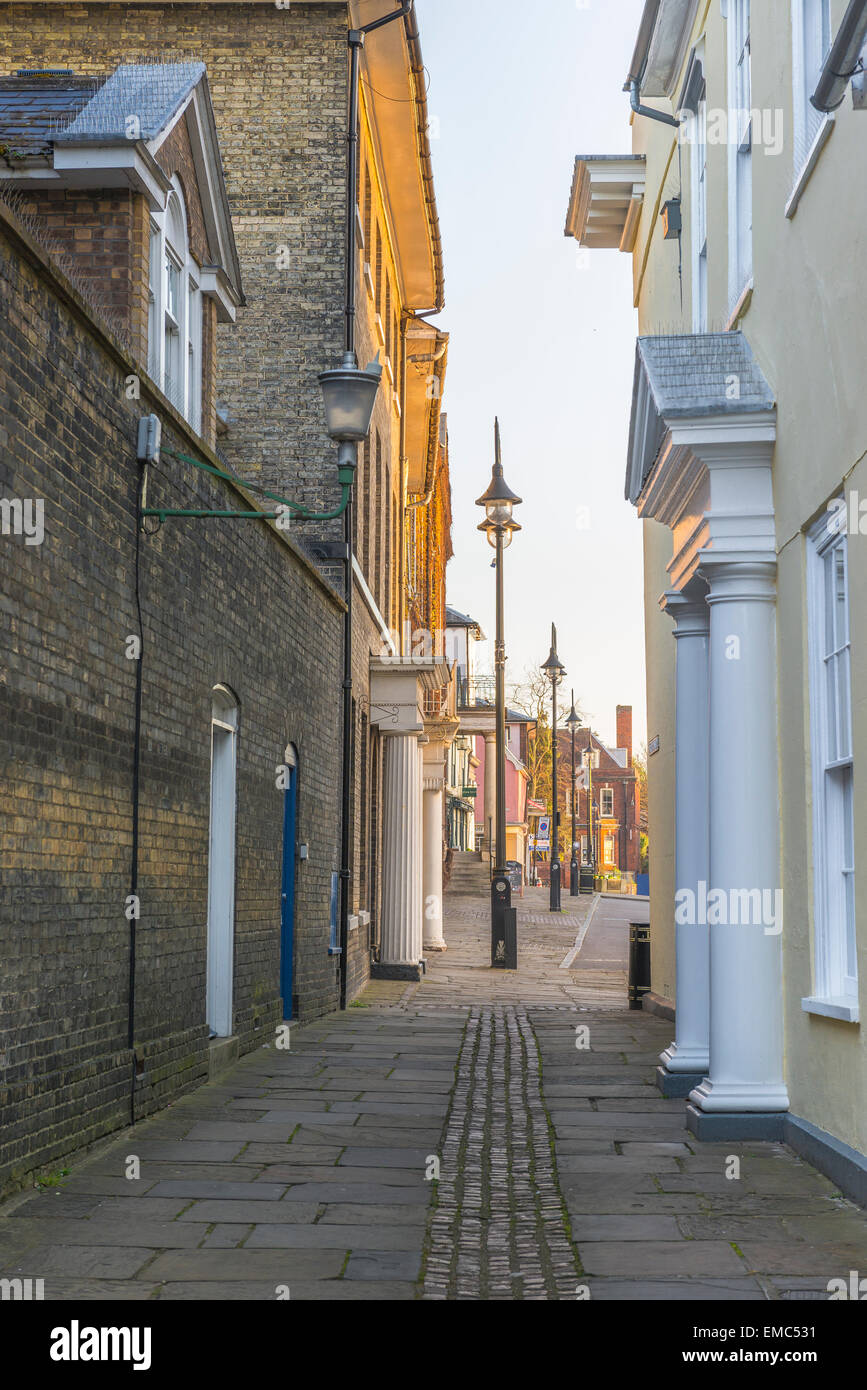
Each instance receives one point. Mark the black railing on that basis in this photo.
(477, 693)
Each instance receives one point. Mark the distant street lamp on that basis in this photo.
(573, 723)
(499, 502)
(554, 669)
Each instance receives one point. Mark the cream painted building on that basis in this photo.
(744, 209)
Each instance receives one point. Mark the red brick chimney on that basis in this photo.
(624, 730)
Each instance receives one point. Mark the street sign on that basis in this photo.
(543, 838)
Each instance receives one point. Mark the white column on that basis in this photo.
(689, 1051)
(401, 851)
(490, 791)
(746, 1026)
(432, 872)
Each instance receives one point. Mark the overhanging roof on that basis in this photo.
(427, 362)
(395, 94)
(683, 377)
(661, 46)
(606, 200)
(70, 131)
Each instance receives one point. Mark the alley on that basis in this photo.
(563, 1174)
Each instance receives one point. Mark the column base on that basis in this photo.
(686, 1059)
(410, 973)
(435, 946)
(739, 1097)
(676, 1085)
(732, 1126)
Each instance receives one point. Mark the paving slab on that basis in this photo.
(300, 1291)
(386, 1174)
(193, 1189)
(366, 1193)
(620, 1228)
(233, 1211)
(327, 1235)
(678, 1258)
(281, 1266)
(81, 1261)
(383, 1265)
(686, 1290)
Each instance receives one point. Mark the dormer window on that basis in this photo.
(174, 311)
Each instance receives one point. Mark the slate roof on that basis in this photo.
(34, 109)
(456, 619)
(690, 374)
(151, 91)
(39, 112)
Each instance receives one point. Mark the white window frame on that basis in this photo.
(812, 36)
(609, 859)
(606, 796)
(832, 762)
(185, 323)
(695, 108)
(740, 149)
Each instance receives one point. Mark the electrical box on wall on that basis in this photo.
(672, 220)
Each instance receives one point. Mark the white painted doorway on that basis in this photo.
(221, 861)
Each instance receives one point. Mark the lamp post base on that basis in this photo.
(554, 901)
(574, 879)
(504, 928)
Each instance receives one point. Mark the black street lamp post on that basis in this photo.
(555, 671)
(574, 886)
(500, 527)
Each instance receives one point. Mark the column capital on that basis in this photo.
(689, 612)
(739, 578)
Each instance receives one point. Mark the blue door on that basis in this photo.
(287, 914)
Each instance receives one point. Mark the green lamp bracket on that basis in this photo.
(294, 510)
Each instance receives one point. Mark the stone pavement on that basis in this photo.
(562, 1173)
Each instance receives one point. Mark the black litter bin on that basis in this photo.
(585, 881)
(639, 963)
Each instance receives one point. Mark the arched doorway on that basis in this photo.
(221, 861)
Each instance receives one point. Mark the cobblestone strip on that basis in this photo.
(498, 1230)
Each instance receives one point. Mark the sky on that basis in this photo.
(542, 334)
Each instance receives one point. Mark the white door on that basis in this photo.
(221, 863)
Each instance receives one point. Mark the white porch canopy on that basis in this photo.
(700, 461)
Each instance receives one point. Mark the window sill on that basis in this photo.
(841, 1007)
(823, 135)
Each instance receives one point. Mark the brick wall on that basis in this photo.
(175, 156)
(104, 232)
(229, 603)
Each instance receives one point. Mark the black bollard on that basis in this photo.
(639, 963)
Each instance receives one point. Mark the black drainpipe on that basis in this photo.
(136, 770)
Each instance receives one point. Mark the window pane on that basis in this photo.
(833, 742)
(173, 277)
(828, 643)
(841, 600)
